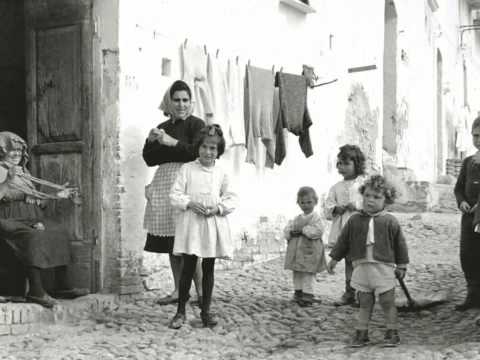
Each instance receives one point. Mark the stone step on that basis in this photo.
(22, 318)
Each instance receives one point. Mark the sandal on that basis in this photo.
(45, 300)
(177, 321)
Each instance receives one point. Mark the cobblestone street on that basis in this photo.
(258, 320)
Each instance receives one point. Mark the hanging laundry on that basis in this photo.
(236, 84)
(293, 108)
(217, 81)
(280, 148)
(259, 89)
(195, 75)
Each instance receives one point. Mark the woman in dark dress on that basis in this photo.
(21, 223)
(168, 146)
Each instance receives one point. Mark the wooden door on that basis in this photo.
(59, 112)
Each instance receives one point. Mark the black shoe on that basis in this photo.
(360, 339)
(177, 321)
(297, 295)
(348, 298)
(391, 339)
(306, 300)
(467, 304)
(208, 319)
(70, 293)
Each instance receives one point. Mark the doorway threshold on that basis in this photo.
(23, 318)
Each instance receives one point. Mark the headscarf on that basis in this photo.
(23, 182)
(167, 105)
(10, 141)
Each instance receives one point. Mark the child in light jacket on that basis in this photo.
(305, 252)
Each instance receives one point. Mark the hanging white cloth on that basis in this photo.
(235, 82)
(217, 82)
(195, 75)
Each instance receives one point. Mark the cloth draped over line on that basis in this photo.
(293, 108)
(217, 81)
(195, 75)
(235, 81)
(259, 121)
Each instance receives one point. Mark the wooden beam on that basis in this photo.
(362, 68)
(58, 147)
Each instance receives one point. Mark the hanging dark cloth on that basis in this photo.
(293, 108)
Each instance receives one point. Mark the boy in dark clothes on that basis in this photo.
(467, 190)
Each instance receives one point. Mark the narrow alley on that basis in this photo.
(258, 320)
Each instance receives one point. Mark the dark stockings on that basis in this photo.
(35, 284)
(189, 265)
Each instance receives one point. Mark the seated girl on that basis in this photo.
(21, 226)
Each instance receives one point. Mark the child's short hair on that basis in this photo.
(211, 131)
(380, 184)
(476, 123)
(305, 191)
(353, 152)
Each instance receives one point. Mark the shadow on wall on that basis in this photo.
(361, 125)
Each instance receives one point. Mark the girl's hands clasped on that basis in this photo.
(200, 209)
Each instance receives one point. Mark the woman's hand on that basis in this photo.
(155, 134)
(68, 192)
(464, 207)
(167, 140)
(331, 266)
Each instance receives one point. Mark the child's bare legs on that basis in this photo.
(208, 268)
(303, 285)
(387, 301)
(367, 301)
(297, 285)
(348, 297)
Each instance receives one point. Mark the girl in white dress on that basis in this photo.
(343, 200)
(202, 194)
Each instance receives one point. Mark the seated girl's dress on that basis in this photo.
(39, 248)
(206, 237)
(340, 194)
(305, 252)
